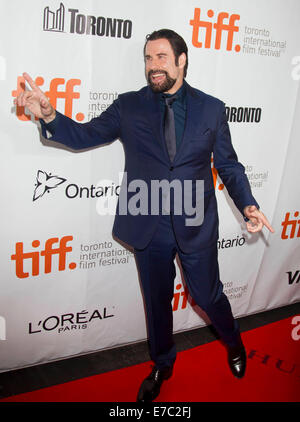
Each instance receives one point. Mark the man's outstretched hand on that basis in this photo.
(36, 101)
(257, 220)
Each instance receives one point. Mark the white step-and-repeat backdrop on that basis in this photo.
(67, 287)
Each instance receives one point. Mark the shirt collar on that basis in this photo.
(180, 93)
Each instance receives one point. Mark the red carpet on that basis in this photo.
(201, 375)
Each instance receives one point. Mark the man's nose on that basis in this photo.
(153, 65)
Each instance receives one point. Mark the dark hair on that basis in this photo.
(177, 43)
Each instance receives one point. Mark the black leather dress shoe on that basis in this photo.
(237, 359)
(150, 387)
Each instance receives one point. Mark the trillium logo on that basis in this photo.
(44, 183)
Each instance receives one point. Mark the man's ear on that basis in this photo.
(182, 60)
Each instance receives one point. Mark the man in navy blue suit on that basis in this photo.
(169, 131)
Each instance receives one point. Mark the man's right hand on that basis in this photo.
(36, 101)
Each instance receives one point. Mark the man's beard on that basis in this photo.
(167, 84)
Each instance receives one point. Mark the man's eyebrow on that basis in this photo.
(157, 54)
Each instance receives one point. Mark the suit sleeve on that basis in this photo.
(230, 170)
(100, 130)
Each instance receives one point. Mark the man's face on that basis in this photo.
(162, 73)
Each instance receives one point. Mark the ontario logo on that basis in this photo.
(45, 182)
(205, 30)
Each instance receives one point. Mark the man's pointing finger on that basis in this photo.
(268, 225)
(30, 81)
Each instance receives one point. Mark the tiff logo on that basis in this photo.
(54, 21)
(61, 251)
(181, 297)
(67, 94)
(292, 225)
(2, 328)
(201, 25)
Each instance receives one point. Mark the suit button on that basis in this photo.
(171, 168)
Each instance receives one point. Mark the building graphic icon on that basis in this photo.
(54, 21)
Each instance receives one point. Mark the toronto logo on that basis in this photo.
(78, 23)
(54, 21)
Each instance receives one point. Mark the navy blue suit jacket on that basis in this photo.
(135, 119)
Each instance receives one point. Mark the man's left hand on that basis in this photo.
(257, 220)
